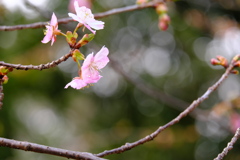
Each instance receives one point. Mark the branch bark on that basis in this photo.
(97, 16)
(189, 109)
(26, 146)
(38, 67)
(229, 145)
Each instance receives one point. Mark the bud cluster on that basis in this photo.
(164, 19)
(3, 73)
(222, 61)
(88, 73)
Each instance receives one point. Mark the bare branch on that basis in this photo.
(194, 104)
(97, 15)
(229, 145)
(1, 92)
(26, 146)
(38, 67)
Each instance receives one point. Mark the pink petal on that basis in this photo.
(76, 83)
(86, 3)
(76, 5)
(88, 61)
(90, 75)
(48, 35)
(95, 24)
(101, 59)
(53, 40)
(54, 21)
(84, 12)
(75, 17)
(88, 27)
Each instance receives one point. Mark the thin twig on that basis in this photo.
(229, 145)
(26, 146)
(150, 137)
(1, 92)
(97, 15)
(38, 67)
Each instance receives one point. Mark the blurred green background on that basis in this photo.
(114, 111)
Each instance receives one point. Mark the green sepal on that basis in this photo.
(5, 79)
(5, 70)
(71, 38)
(85, 40)
(77, 55)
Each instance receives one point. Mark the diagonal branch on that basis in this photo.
(38, 67)
(26, 146)
(97, 15)
(229, 145)
(194, 104)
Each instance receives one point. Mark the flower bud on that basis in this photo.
(236, 58)
(215, 62)
(5, 79)
(161, 8)
(237, 64)
(162, 26)
(223, 61)
(85, 40)
(163, 22)
(5, 70)
(71, 38)
(77, 55)
(234, 71)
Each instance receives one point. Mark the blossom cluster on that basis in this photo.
(89, 71)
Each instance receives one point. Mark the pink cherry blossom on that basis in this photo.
(92, 65)
(51, 31)
(84, 15)
(90, 69)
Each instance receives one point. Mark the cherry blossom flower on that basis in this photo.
(84, 15)
(90, 69)
(51, 31)
(92, 65)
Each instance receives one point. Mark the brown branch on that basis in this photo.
(97, 15)
(1, 92)
(150, 137)
(229, 145)
(38, 67)
(26, 146)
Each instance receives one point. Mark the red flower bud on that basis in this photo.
(162, 26)
(163, 22)
(215, 62)
(234, 71)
